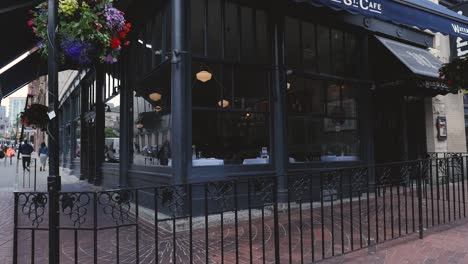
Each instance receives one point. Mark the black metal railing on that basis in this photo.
(319, 214)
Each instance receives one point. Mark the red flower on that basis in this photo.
(115, 43)
(123, 35)
(449, 82)
(30, 23)
(127, 27)
(127, 43)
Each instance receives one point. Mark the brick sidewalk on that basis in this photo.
(445, 244)
(8, 178)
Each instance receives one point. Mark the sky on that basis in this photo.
(23, 92)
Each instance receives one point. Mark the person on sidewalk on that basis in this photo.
(25, 151)
(43, 153)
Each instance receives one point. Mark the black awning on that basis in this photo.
(405, 69)
(18, 38)
(417, 60)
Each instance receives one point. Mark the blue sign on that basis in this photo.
(423, 14)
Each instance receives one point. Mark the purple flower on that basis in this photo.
(110, 59)
(114, 18)
(77, 50)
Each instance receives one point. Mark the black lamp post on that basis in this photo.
(53, 181)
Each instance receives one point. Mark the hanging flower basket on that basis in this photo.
(35, 115)
(455, 74)
(88, 30)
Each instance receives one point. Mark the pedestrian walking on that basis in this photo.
(43, 154)
(164, 153)
(25, 151)
(10, 153)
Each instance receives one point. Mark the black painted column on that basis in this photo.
(279, 101)
(126, 126)
(179, 66)
(84, 170)
(53, 181)
(99, 123)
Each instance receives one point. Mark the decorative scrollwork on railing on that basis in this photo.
(405, 171)
(442, 168)
(263, 190)
(173, 198)
(117, 204)
(426, 170)
(300, 187)
(74, 205)
(33, 206)
(457, 163)
(359, 179)
(221, 193)
(384, 175)
(331, 181)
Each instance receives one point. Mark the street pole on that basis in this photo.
(53, 181)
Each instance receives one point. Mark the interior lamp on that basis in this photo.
(204, 76)
(155, 96)
(139, 125)
(157, 108)
(223, 103)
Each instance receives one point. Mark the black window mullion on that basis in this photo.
(254, 30)
(239, 25)
(301, 46)
(330, 50)
(223, 28)
(345, 57)
(205, 30)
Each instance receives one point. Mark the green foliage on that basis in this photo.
(109, 133)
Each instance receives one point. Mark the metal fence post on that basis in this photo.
(420, 205)
(276, 220)
(15, 231)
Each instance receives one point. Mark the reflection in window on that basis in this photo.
(112, 130)
(225, 29)
(231, 116)
(322, 121)
(311, 47)
(152, 126)
(77, 151)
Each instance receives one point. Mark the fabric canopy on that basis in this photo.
(419, 13)
(417, 60)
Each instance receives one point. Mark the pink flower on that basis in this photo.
(30, 23)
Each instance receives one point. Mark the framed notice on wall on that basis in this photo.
(441, 125)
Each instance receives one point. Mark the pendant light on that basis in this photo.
(139, 125)
(223, 103)
(157, 108)
(155, 96)
(204, 76)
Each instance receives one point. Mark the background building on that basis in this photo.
(15, 106)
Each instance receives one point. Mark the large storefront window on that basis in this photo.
(230, 98)
(322, 114)
(322, 121)
(231, 114)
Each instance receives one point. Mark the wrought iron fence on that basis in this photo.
(317, 215)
